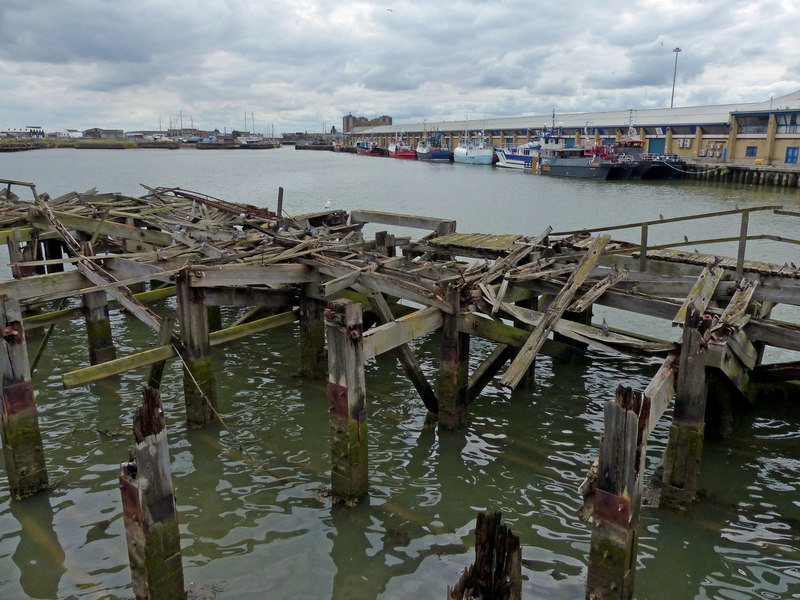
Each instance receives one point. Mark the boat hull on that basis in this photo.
(510, 160)
(435, 155)
(406, 154)
(473, 156)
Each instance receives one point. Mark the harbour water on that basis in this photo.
(256, 519)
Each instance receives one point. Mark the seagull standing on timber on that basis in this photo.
(686, 239)
(604, 327)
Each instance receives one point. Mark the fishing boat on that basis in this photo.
(630, 148)
(367, 147)
(595, 161)
(520, 157)
(400, 148)
(473, 152)
(430, 148)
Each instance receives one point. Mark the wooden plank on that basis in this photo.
(598, 290)
(526, 355)
(661, 390)
(148, 357)
(734, 314)
(700, 294)
(722, 357)
(613, 342)
(401, 331)
(400, 220)
(91, 226)
(246, 275)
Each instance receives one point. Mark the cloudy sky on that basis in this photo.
(297, 65)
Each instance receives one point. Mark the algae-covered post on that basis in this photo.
(22, 440)
(149, 511)
(347, 399)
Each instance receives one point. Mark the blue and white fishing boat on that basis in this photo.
(520, 157)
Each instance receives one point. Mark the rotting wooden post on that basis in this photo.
(347, 399)
(681, 461)
(453, 379)
(643, 249)
(497, 570)
(742, 243)
(199, 382)
(22, 440)
(618, 497)
(98, 325)
(313, 357)
(148, 504)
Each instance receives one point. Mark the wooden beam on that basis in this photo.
(526, 355)
(701, 293)
(444, 226)
(401, 331)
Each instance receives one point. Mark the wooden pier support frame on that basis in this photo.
(98, 324)
(617, 499)
(22, 440)
(453, 380)
(149, 512)
(199, 382)
(313, 356)
(681, 461)
(497, 570)
(347, 399)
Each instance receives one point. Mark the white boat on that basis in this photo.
(473, 152)
(520, 157)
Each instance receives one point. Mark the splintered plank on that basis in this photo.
(700, 294)
(523, 361)
(735, 315)
(597, 290)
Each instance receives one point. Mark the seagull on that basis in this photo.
(794, 266)
(660, 216)
(604, 327)
(686, 239)
(328, 203)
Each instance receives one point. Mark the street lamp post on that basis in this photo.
(674, 73)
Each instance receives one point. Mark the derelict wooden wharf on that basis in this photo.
(355, 299)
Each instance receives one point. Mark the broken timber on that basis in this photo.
(320, 271)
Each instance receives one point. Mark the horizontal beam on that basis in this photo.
(399, 220)
(148, 357)
(401, 331)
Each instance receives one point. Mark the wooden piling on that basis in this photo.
(681, 461)
(497, 570)
(313, 356)
(199, 382)
(347, 399)
(150, 515)
(453, 378)
(98, 325)
(617, 499)
(22, 440)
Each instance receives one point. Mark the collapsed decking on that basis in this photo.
(318, 270)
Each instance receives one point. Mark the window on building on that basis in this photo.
(751, 151)
(791, 154)
(753, 124)
(788, 123)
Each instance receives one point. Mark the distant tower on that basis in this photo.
(348, 122)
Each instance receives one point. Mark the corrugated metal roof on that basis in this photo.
(719, 114)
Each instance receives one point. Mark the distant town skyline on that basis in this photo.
(303, 66)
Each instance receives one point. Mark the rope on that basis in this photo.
(211, 406)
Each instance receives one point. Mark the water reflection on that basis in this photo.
(39, 555)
